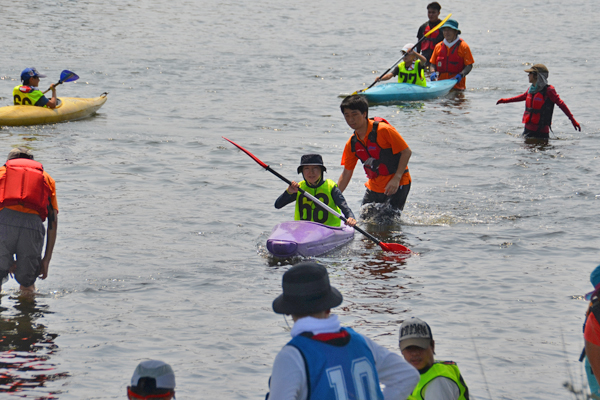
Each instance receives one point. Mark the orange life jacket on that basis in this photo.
(538, 108)
(429, 42)
(24, 184)
(451, 63)
(376, 161)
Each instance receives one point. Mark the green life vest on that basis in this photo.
(412, 76)
(25, 95)
(447, 369)
(306, 210)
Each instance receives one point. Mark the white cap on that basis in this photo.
(161, 371)
(407, 47)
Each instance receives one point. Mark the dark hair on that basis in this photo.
(355, 102)
(26, 82)
(434, 6)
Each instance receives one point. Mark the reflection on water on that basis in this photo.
(25, 351)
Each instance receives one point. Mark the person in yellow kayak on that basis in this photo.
(411, 69)
(29, 94)
(326, 190)
(440, 380)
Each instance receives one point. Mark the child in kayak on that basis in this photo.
(326, 190)
(411, 69)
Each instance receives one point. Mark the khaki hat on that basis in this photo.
(20, 152)
(537, 68)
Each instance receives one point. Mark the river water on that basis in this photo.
(161, 246)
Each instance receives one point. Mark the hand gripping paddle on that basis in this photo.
(65, 76)
(393, 247)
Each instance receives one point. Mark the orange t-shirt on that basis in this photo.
(50, 183)
(464, 52)
(387, 137)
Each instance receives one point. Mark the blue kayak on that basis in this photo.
(388, 93)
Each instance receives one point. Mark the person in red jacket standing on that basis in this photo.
(539, 100)
(27, 198)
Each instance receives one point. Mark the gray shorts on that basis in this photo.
(21, 234)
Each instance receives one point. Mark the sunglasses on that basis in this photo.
(533, 73)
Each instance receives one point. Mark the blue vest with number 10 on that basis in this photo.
(339, 372)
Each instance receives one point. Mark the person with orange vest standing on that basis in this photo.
(452, 58)
(27, 198)
(382, 151)
(426, 47)
(539, 100)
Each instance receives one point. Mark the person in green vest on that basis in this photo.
(29, 94)
(440, 380)
(411, 69)
(326, 190)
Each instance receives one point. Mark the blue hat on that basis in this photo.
(30, 73)
(451, 24)
(595, 280)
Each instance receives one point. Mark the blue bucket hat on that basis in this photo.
(451, 24)
(30, 73)
(595, 280)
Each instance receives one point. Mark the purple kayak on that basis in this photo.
(306, 238)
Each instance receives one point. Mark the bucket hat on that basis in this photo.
(451, 23)
(30, 73)
(415, 332)
(537, 68)
(306, 290)
(311, 159)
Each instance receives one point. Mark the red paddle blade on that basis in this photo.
(262, 164)
(395, 248)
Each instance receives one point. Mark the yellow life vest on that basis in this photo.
(26, 95)
(447, 369)
(306, 210)
(412, 76)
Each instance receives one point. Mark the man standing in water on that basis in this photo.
(29, 94)
(27, 197)
(383, 152)
(426, 46)
(440, 380)
(540, 99)
(324, 360)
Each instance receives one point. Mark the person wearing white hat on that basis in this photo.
(152, 379)
(411, 69)
(440, 380)
(324, 360)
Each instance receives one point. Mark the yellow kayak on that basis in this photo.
(69, 109)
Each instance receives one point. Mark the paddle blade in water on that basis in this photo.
(395, 248)
(262, 164)
(68, 76)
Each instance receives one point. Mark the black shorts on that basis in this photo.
(535, 135)
(397, 200)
